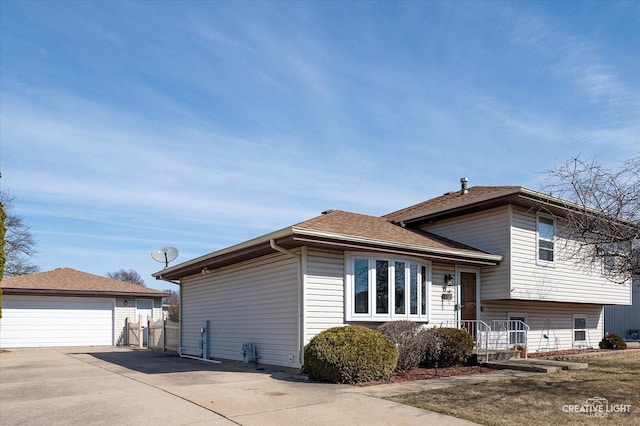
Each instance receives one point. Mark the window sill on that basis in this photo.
(379, 318)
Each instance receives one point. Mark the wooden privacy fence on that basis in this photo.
(164, 335)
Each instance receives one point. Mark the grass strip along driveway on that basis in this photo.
(608, 392)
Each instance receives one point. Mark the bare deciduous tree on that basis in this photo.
(174, 306)
(2, 255)
(128, 276)
(19, 244)
(603, 213)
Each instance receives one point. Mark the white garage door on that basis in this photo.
(40, 321)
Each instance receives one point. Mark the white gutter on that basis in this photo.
(272, 243)
(259, 240)
(406, 246)
(300, 290)
(160, 277)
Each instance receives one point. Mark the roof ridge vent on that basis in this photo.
(463, 186)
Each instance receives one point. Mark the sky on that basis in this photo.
(126, 126)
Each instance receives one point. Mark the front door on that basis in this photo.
(468, 296)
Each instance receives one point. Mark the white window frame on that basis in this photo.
(371, 315)
(553, 241)
(582, 342)
(153, 308)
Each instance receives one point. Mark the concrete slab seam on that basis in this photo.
(152, 386)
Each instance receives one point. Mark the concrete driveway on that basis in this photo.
(103, 385)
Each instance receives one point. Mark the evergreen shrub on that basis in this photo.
(351, 354)
(447, 347)
(612, 341)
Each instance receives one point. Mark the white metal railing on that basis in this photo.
(508, 334)
(479, 330)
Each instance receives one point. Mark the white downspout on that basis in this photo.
(283, 250)
(180, 322)
(276, 247)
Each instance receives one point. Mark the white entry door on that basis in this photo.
(144, 309)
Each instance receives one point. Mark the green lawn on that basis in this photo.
(544, 399)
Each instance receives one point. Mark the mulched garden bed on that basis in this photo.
(430, 373)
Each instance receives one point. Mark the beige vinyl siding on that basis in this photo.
(324, 291)
(123, 312)
(251, 302)
(566, 280)
(621, 319)
(487, 231)
(553, 319)
(442, 309)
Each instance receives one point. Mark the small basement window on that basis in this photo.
(579, 329)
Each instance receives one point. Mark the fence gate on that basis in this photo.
(135, 335)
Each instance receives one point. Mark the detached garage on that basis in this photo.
(65, 307)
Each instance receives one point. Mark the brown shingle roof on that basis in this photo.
(67, 281)
(349, 224)
(341, 230)
(450, 200)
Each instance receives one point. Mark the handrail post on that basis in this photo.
(486, 342)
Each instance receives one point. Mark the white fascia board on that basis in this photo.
(285, 232)
(414, 247)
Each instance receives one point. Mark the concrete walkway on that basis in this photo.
(120, 386)
(395, 389)
(538, 365)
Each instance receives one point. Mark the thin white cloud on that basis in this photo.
(100, 159)
(574, 57)
(521, 123)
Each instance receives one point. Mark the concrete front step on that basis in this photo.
(535, 365)
(494, 355)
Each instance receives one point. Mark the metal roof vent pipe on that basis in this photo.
(463, 186)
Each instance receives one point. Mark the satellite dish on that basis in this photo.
(165, 255)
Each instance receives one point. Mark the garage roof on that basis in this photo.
(70, 282)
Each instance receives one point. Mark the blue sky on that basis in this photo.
(128, 126)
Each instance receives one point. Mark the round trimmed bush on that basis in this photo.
(351, 354)
(408, 338)
(447, 347)
(612, 341)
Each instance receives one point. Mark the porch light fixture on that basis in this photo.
(126, 302)
(448, 280)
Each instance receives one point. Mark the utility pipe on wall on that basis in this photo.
(215, 361)
(283, 250)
